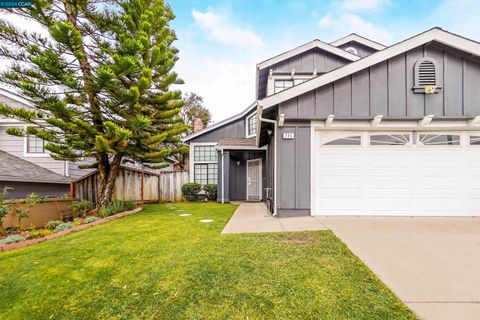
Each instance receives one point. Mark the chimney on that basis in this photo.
(197, 125)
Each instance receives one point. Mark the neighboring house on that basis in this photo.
(26, 177)
(355, 128)
(32, 150)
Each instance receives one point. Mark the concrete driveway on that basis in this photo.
(432, 264)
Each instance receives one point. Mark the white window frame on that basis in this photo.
(273, 78)
(247, 126)
(193, 162)
(462, 139)
(388, 133)
(27, 154)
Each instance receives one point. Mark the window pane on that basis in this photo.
(475, 140)
(252, 125)
(389, 139)
(439, 139)
(205, 173)
(347, 141)
(205, 153)
(281, 85)
(35, 144)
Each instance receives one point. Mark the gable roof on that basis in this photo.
(305, 47)
(15, 169)
(16, 97)
(359, 39)
(434, 34)
(221, 123)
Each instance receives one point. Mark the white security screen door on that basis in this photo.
(254, 180)
(396, 174)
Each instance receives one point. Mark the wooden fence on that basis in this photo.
(135, 185)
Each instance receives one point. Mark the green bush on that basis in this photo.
(190, 191)
(53, 224)
(64, 226)
(211, 191)
(40, 233)
(12, 239)
(90, 219)
(81, 207)
(111, 209)
(129, 205)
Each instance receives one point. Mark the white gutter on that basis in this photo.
(223, 179)
(274, 122)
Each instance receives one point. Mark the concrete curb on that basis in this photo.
(21, 244)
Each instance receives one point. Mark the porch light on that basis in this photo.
(238, 163)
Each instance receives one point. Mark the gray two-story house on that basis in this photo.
(354, 127)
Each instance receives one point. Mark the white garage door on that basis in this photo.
(408, 173)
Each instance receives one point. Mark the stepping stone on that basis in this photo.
(185, 214)
(206, 220)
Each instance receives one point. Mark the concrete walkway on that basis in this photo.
(254, 217)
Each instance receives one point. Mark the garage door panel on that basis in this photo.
(396, 180)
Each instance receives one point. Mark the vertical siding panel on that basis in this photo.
(281, 66)
(331, 63)
(324, 101)
(286, 161)
(434, 102)
(396, 86)
(295, 63)
(320, 61)
(307, 61)
(378, 89)
(302, 168)
(360, 93)
(289, 107)
(306, 104)
(453, 83)
(472, 93)
(343, 97)
(415, 102)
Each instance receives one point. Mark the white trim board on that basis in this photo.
(221, 123)
(305, 47)
(435, 34)
(191, 157)
(359, 39)
(16, 97)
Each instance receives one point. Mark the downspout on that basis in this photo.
(223, 179)
(274, 122)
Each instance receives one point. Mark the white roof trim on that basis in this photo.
(435, 34)
(355, 37)
(221, 123)
(307, 46)
(16, 97)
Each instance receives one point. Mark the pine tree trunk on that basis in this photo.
(108, 183)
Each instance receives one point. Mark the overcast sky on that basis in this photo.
(221, 41)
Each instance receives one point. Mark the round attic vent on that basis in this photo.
(352, 50)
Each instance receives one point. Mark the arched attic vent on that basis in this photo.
(426, 76)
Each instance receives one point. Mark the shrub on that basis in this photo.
(129, 205)
(53, 224)
(64, 226)
(40, 233)
(90, 219)
(191, 190)
(111, 209)
(77, 221)
(12, 239)
(81, 207)
(211, 191)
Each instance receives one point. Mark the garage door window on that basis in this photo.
(345, 141)
(439, 139)
(397, 139)
(475, 140)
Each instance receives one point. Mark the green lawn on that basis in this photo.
(158, 265)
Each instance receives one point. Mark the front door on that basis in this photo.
(254, 180)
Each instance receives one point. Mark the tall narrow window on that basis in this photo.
(426, 76)
(251, 126)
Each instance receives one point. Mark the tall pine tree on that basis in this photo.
(100, 81)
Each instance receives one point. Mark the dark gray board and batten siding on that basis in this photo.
(305, 62)
(386, 89)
